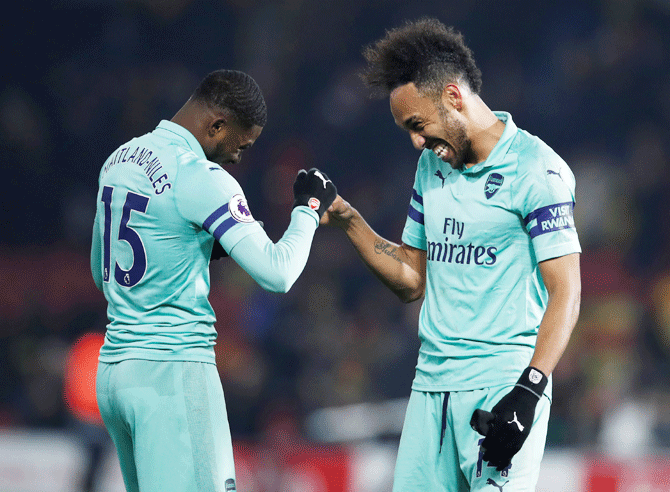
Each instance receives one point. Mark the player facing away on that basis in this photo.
(164, 199)
(490, 245)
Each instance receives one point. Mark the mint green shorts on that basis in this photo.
(169, 424)
(446, 457)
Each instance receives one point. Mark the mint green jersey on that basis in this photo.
(484, 230)
(160, 206)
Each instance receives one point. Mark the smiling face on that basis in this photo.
(431, 125)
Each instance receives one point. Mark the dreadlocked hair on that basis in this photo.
(425, 52)
(237, 92)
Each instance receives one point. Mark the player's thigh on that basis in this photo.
(423, 462)
(116, 426)
(179, 424)
(523, 474)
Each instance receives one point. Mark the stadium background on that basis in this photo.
(316, 380)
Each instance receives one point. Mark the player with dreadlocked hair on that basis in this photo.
(426, 53)
(490, 246)
(164, 201)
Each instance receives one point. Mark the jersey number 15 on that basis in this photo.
(139, 203)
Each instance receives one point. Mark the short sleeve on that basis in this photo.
(544, 194)
(210, 198)
(414, 233)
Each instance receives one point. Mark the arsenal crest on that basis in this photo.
(493, 184)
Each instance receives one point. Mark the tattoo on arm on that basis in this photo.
(382, 247)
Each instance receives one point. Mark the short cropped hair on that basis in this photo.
(425, 52)
(235, 91)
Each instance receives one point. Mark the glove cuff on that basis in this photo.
(301, 209)
(310, 202)
(533, 380)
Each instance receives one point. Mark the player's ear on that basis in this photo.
(452, 96)
(216, 126)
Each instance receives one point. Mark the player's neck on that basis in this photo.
(190, 116)
(485, 132)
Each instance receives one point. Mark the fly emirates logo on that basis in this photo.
(455, 251)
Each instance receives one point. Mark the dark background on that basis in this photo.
(82, 77)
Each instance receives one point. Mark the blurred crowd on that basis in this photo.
(588, 77)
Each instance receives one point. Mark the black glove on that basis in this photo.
(313, 189)
(508, 424)
(218, 252)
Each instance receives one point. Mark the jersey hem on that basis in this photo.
(557, 251)
(414, 241)
(447, 389)
(158, 357)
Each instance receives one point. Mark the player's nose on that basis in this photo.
(417, 140)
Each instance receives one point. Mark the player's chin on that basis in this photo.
(457, 162)
(226, 160)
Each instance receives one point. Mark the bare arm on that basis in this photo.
(401, 268)
(562, 278)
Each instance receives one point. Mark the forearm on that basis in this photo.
(390, 262)
(556, 328)
(276, 266)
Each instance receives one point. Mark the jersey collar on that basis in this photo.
(184, 134)
(501, 147)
